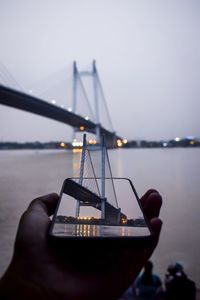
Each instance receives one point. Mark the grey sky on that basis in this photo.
(147, 53)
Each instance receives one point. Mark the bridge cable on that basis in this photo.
(104, 100)
(85, 95)
(10, 78)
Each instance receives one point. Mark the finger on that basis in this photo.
(144, 198)
(35, 221)
(156, 225)
(152, 204)
(46, 204)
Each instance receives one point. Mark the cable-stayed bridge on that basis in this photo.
(19, 99)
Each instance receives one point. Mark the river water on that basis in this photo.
(175, 173)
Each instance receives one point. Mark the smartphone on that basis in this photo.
(90, 209)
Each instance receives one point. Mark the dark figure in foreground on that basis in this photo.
(178, 285)
(37, 271)
(148, 285)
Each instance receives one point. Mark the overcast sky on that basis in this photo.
(147, 54)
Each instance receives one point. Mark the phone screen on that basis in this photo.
(83, 212)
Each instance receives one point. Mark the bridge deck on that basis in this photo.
(89, 198)
(34, 105)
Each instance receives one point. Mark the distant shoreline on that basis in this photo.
(190, 142)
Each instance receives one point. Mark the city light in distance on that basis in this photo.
(85, 218)
(69, 109)
(86, 118)
(62, 145)
(76, 143)
(92, 142)
(53, 101)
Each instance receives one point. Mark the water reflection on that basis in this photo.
(86, 230)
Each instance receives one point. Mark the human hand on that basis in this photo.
(37, 271)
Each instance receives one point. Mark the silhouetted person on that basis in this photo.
(38, 271)
(178, 285)
(148, 285)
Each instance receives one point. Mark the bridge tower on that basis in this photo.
(98, 184)
(97, 95)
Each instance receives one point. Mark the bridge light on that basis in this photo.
(123, 220)
(125, 141)
(119, 143)
(82, 128)
(69, 109)
(53, 101)
(86, 118)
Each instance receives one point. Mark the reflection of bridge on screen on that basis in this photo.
(27, 102)
(86, 197)
(92, 190)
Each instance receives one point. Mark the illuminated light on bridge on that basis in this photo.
(119, 143)
(192, 142)
(165, 144)
(123, 220)
(64, 114)
(125, 141)
(82, 128)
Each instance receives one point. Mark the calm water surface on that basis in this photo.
(175, 173)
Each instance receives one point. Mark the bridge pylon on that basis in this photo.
(98, 95)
